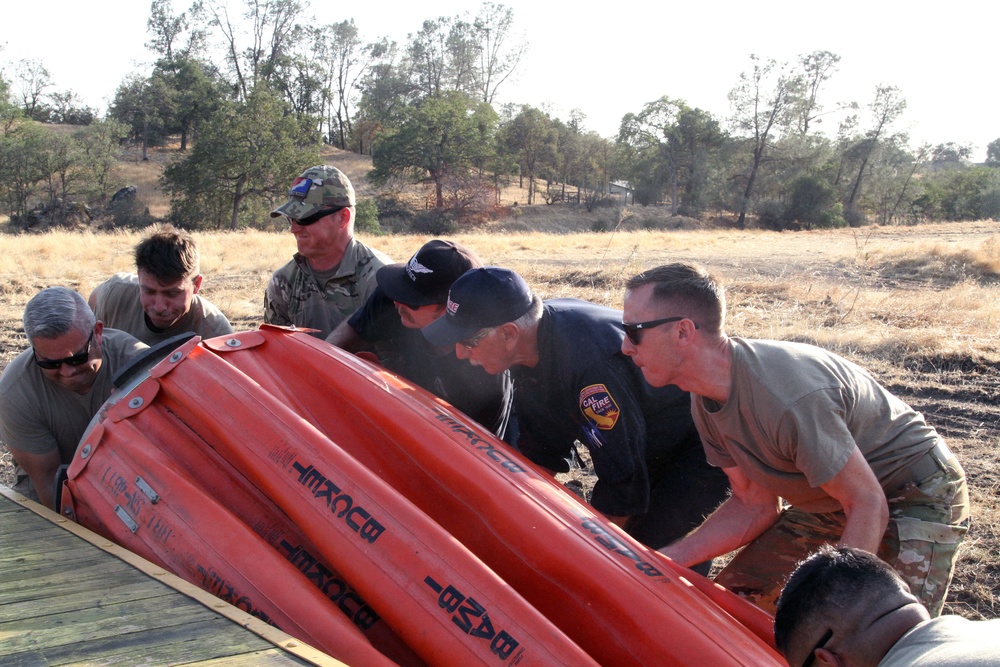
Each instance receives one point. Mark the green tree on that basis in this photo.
(387, 91)
(10, 113)
(967, 194)
(993, 153)
(66, 107)
(195, 91)
(886, 108)
(428, 54)
(669, 143)
(31, 80)
(499, 49)
(254, 56)
(817, 68)
(533, 136)
(760, 101)
(23, 166)
(346, 59)
(441, 137)
(813, 203)
(99, 144)
(243, 160)
(145, 105)
(166, 30)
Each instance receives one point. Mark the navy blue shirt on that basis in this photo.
(583, 388)
(485, 398)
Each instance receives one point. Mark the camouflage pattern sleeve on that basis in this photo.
(276, 301)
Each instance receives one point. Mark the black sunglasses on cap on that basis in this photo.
(632, 330)
(78, 359)
(315, 217)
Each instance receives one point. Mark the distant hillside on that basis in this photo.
(556, 218)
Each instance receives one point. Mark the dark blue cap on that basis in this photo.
(481, 298)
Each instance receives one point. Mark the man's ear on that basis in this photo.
(509, 332)
(196, 282)
(685, 331)
(827, 657)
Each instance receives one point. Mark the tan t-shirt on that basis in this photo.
(37, 415)
(793, 417)
(117, 304)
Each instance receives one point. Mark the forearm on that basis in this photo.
(866, 524)
(858, 491)
(41, 468)
(45, 488)
(731, 526)
(345, 337)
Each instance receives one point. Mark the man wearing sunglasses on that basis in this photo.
(572, 383)
(332, 274)
(848, 607)
(161, 299)
(815, 449)
(409, 297)
(50, 392)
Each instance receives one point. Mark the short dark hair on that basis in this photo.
(690, 287)
(830, 581)
(169, 254)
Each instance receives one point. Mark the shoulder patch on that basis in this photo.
(598, 407)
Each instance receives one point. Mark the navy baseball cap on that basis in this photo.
(427, 277)
(485, 297)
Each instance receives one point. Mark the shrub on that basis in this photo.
(813, 203)
(366, 219)
(855, 217)
(770, 214)
(436, 222)
(129, 212)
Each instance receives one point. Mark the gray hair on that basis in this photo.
(532, 316)
(54, 312)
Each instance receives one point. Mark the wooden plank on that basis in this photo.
(55, 602)
(198, 640)
(269, 658)
(68, 596)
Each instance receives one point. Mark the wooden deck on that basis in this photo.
(69, 596)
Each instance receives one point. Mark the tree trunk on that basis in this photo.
(237, 198)
(673, 193)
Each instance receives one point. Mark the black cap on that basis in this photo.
(427, 277)
(484, 297)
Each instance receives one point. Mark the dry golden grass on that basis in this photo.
(919, 306)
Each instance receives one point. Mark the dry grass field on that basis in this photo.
(919, 306)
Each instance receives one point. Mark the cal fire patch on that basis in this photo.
(597, 405)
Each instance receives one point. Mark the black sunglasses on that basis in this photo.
(78, 359)
(820, 644)
(632, 330)
(316, 217)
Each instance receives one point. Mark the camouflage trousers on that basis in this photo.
(927, 520)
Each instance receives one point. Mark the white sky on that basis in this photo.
(608, 59)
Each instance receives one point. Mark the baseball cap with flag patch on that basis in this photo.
(426, 278)
(317, 188)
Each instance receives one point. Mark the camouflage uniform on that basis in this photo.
(301, 296)
(927, 521)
